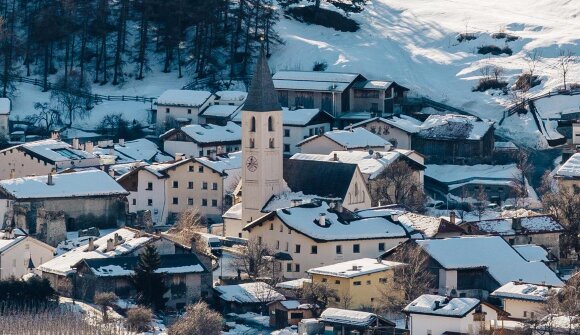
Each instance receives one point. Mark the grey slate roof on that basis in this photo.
(321, 178)
(262, 96)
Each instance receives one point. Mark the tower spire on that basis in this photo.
(262, 96)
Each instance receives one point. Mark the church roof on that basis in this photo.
(304, 176)
(262, 96)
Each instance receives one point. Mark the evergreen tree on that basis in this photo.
(150, 285)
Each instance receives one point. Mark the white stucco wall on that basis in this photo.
(14, 260)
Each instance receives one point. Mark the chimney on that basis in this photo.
(117, 239)
(437, 305)
(89, 147)
(54, 135)
(378, 155)
(335, 157)
(110, 245)
(296, 202)
(220, 150)
(322, 220)
(179, 156)
(395, 217)
(517, 223)
(49, 180)
(212, 155)
(452, 217)
(111, 172)
(91, 246)
(354, 268)
(338, 206)
(75, 143)
(350, 128)
(122, 142)
(388, 147)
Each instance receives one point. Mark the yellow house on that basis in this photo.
(358, 283)
(524, 300)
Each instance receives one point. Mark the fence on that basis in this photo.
(518, 106)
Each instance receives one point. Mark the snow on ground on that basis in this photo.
(414, 43)
(251, 317)
(556, 106)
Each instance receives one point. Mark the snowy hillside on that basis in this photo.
(414, 42)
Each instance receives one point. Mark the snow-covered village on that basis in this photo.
(289, 167)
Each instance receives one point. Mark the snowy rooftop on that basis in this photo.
(452, 126)
(4, 106)
(231, 95)
(235, 212)
(336, 77)
(524, 291)
(294, 284)
(123, 266)
(185, 98)
(345, 316)
(132, 151)
(7, 241)
(403, 122)
(88, 183)
(130, 241)
(529, 224)
(300, 116)
(287, 199)
(305, 219)
(211, 133)
(256, 292)
(502, 262)
(532, 252)
(570, 169)
(442, 306)
(295, 304)
(505, 146)
(220, 111)
(458, 175)
(370, 165)
(429, 225)
(353, 139)
(222, 163)
(355, 268)
(55, 151)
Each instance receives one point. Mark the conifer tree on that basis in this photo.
(150, 286)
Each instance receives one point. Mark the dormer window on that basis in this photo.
(270, 124)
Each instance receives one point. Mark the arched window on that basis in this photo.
(253, 124)
(270, 124)
(271, 143)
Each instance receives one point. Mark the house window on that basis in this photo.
(190, 201)
(175, 201)
(368, 282)
(297, 249)
(204, 185)
(281, 228)
(383, 280)
(270, 124)
(356, 283)
(314, 249)
(271, 143)
(287, 246)
(277, 245)
(339, 249)
(175, 184)
(259, 239)
(214, 186)
(286, 147)
(190, 185)
(381, 246)
(271, 226)
(288, 267)
(213, 203)
(204, 202)
(149, 202)
(429, 332)
(134, 202)
(167, 110)
(297, 267)
(191, 168)
(356, 248)
(525, 314)
(253, 124)
(324, 280)
(286, 132)
(200, 169)
(296, 316)
(337, 282)
(189, 111)
(149, 186)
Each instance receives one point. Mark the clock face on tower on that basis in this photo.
(252, 164)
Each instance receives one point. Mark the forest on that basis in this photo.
(80, 42)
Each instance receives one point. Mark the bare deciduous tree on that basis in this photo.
(105, 300)
(198, 319)
(565, 60)
(480, 205)
(139, 319)
(253, 259)
(318, 293)
(398, 184)
(46, 118)
(409, 281)
(187, 228)
(533, 59)
(519, 185)
(72, 97)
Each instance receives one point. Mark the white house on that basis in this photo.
(130, 151)
(180, 106)
(4, 116)
(576, 133)
(437, 315)
(202, 140)
(336, 140)
(20, 253)
(523, 300)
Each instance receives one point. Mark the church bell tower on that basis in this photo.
(262, 147)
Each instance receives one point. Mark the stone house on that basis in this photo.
(284, 313)
(524, 301)
(438, 315)
(357, 283)
(202, 140)
(543, 230)
(42, 157)
(322, 233)
(48, 206)
(21, 253)
(339, 140)
(175, 107)
(183, 276)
